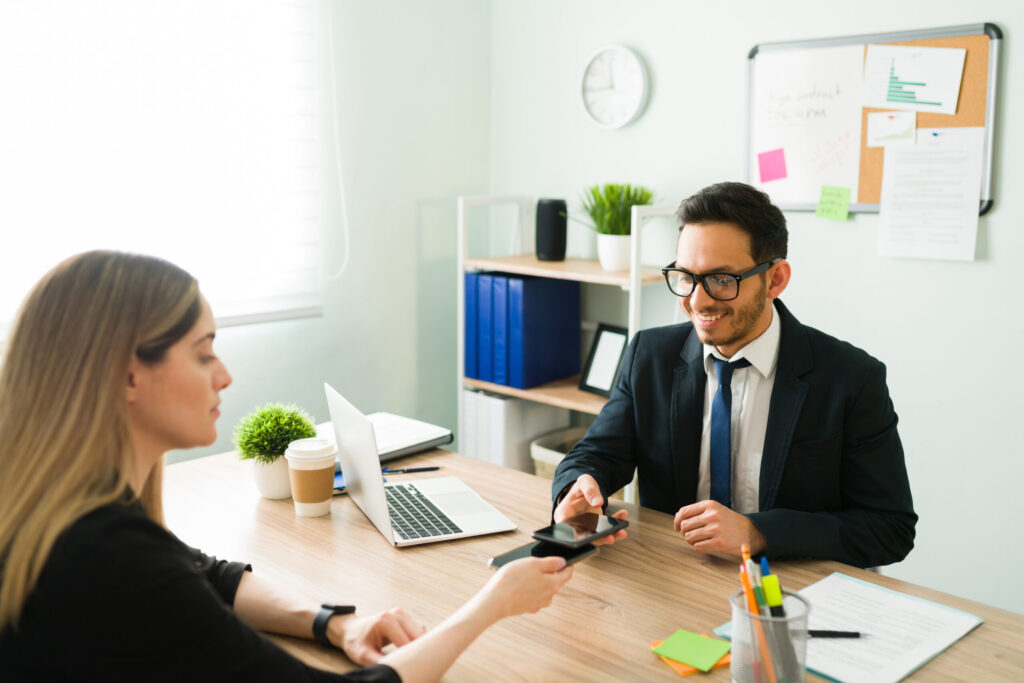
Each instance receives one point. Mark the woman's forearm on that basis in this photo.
(265, 607)
(430, 655)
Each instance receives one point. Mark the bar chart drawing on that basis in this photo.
(903, 92)
(913, 78)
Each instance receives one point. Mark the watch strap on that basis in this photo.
(324, 615)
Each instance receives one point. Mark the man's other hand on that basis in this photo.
(710, 527)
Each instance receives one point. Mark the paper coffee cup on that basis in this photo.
(311, 472)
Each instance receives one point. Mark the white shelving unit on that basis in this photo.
(562, 393)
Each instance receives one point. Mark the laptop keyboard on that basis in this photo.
(414, 516)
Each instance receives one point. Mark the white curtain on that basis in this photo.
(183, 129)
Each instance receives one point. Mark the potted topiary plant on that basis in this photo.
(609, 208)
(263, 436)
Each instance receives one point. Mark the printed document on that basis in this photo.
(903, 632)
(931, 194)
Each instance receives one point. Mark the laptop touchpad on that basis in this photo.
(460, 503)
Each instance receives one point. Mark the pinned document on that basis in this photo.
(913, 78)
(887, 128)
(931, 194)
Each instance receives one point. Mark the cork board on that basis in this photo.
(777, 62)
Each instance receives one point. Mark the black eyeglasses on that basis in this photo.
(720, 286)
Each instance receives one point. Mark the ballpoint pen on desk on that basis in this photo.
(409, 470)
(773, 598)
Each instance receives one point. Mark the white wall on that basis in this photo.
(413, 84)
(947, 331)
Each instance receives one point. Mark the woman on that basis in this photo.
(109, 366)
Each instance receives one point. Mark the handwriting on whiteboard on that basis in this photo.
(802, 107)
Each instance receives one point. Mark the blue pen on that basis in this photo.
(764, 567)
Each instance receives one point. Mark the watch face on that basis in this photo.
(614, 86)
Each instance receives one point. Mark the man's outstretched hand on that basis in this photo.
(585, 496)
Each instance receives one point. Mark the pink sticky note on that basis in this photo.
(772, 164)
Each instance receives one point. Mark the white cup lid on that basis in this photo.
(311, 448)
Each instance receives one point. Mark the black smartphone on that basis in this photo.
(541, 549)
(580, 530)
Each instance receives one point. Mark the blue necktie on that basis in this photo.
(721, 419)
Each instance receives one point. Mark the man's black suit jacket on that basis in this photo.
(833, 480)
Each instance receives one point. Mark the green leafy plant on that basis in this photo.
(609, 206)
(264, 434)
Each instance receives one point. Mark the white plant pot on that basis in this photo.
(272, 480)
(613, 251)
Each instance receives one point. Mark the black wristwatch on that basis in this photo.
(325, 613)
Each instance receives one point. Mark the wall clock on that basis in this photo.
(614, 86)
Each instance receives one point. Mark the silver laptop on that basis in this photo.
(407, 513)
(397, 435)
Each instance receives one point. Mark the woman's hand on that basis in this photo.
(526, 585)
(363, 638)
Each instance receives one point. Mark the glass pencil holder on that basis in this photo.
(769, 648)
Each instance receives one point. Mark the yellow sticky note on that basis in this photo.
(834, 203)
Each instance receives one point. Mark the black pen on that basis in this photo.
(409, 470)
(817, 633)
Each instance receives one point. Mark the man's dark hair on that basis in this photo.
(744, 206)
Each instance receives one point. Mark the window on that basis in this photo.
(183, 129)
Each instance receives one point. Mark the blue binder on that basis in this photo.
(470, 326)
(485, 328)
(543, 330)
(499, 327)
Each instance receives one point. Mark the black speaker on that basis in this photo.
(551, 214)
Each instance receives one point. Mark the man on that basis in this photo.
(796, 454)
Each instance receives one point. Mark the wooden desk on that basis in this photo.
(599, 627)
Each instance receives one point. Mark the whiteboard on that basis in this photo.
(807, 116)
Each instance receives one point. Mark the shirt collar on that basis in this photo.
(762, 352)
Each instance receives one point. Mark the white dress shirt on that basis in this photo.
(751, 395)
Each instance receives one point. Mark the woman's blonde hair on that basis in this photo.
(65, 448)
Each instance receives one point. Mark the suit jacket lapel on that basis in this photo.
(787, 400)
(687, 408)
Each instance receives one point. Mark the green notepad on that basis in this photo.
(693, 649)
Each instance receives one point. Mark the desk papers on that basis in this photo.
(903, 632)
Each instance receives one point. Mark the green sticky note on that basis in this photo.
(693, 649)
(834, 203)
